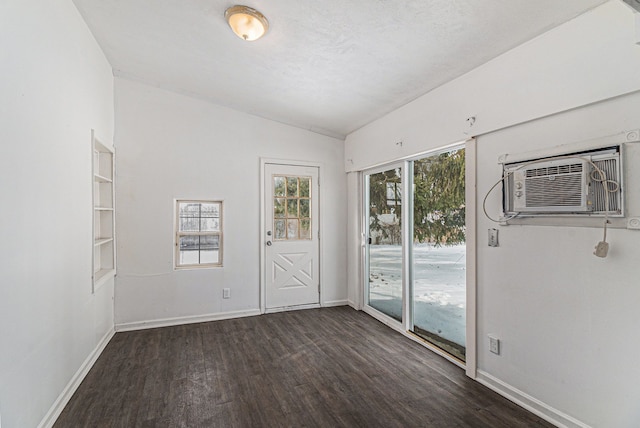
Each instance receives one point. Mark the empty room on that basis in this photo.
(340, 213)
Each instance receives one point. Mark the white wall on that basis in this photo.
(170, 146)
(56, 86)
(567, 320)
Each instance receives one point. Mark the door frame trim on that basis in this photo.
(261, 238)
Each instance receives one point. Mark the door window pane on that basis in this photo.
(296, 208)
(305, 205)
(305, 228)
(292, 208)
(279, 209)
(280, 229)
(279, 186)
(292, 229)
(304, 187)
(292, 186)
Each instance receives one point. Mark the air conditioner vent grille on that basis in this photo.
(554, 170)
(610, 170)
(554, 191)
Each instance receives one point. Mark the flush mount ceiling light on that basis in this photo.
(246, 22)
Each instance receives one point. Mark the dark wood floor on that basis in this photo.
(332, 367)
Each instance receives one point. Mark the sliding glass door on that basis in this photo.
(384, 200)
(438, 297)
(431, 301)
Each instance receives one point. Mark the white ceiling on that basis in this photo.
(330, 66)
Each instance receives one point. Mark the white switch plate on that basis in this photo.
(493, 237)
(494, 345)
(226, 293)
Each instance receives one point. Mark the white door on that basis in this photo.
(291, 241)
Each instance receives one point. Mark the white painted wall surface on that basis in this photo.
(56, 85)
(172, 146)
(567, 320)
(591, 58)
(354, 240)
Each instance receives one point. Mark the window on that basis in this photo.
(198, 234)
(292, 208)
(393, 195)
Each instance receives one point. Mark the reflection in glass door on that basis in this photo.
(384, 234)
(431, 262)
(439, 252)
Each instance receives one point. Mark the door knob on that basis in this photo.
(269, 243)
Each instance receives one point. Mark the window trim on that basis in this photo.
(177, 234)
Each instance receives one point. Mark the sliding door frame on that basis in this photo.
(404, 327)
(397, 325)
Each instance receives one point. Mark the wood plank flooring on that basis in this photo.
(330, 367)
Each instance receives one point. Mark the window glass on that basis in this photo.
(295, 207)
(199, 234)
(278, 186)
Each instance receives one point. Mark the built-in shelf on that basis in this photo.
(101, 276)
(104, 248)
(101, 179)
(102, 241)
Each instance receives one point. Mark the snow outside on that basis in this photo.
(439, 286)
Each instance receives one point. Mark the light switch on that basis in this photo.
(493, 237)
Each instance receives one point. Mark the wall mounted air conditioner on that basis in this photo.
(567, 184)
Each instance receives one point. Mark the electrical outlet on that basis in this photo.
(633, 223)
(226, 293)
(494, 345)
(493, 237)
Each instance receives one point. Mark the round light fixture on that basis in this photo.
(246, 22)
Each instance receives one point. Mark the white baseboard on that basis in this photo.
(528, 402)
(66, 394)
(168, 322)
(332, 303)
